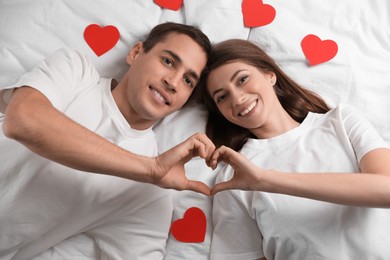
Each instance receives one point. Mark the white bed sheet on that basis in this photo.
(359, 74)
(31, 30)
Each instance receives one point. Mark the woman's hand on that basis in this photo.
(168, 170)
(354, 189)
(247, 176)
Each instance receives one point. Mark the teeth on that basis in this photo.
(160, 96)
(246, 111)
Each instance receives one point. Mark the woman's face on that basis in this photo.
(243, 94)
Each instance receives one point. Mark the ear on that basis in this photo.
(272, 77)
(134, 52)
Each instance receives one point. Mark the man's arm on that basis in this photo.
(31, 120)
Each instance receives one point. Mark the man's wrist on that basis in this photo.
(153, 170)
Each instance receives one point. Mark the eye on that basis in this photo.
(242, 80)
(188, 81)
(168, 61)
(220, 98)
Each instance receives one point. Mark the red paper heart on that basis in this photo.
(191, 228)
(318, 51)
(256, 13)
(170, 4)
(101, 40)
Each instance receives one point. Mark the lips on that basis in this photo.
(248, 108)
(160, 95)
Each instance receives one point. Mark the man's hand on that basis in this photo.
(169, 166)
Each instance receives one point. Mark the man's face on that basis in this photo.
(160, 81)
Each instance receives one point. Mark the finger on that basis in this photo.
(230, 156)
(228, 185)
(191, 148)
(214, 158)
(208, 145)
(198, 186)
(199, 148)
(218, 156)
(214, 161)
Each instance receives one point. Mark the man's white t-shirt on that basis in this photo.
(42, 202)
(251, 225)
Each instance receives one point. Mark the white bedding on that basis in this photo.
(359, 74)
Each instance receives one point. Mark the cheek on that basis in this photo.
(183, 97)
(225, 111)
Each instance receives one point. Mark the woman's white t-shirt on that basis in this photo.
(251, 225)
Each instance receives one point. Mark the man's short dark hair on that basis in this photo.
(161, 31)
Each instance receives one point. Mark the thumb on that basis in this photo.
(198, 186)
(227, 185)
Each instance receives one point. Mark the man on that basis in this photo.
(62, 120)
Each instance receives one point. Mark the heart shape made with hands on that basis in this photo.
(256, 13)
(318, 51)
(101, 39)
(170, 4)
(191, 228)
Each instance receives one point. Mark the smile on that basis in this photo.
(159, 96)
(249, 109)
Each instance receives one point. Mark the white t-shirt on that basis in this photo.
(251, 225)
(42, 202)
(170, 131)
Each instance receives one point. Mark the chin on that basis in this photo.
(249, 126)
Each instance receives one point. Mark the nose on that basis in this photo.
(237, 96)
(171, 81)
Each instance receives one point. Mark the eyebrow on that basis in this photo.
(216, 92)
(235, 75)
(231, 79)
(180, 61)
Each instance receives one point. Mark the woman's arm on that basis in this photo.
(370, 188)
(31, 120)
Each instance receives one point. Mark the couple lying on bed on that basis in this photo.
(300, 181)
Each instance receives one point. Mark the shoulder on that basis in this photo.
(346, 109)
(349, 114)
(67, 54)
(346, 116)
(72, 62)
(341, 112)
(343, 118)
(342, 108)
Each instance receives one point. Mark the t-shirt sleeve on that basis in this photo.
(59, 77)
(361, 133)
(236, 234)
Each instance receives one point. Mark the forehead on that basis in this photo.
(189, 51)
(232, 66)
(224, 73)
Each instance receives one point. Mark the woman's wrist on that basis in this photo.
(264, 180)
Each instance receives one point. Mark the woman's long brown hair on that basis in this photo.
(297, 101)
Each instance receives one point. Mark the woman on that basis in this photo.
(315, 178)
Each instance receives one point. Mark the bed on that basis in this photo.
(339, 49)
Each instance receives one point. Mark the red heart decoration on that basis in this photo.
(170, 4)
(101, 40)
(256, 13)
(191, 228)
(318, 51)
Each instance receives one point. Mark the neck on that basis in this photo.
(135, 120)
(277, 123)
